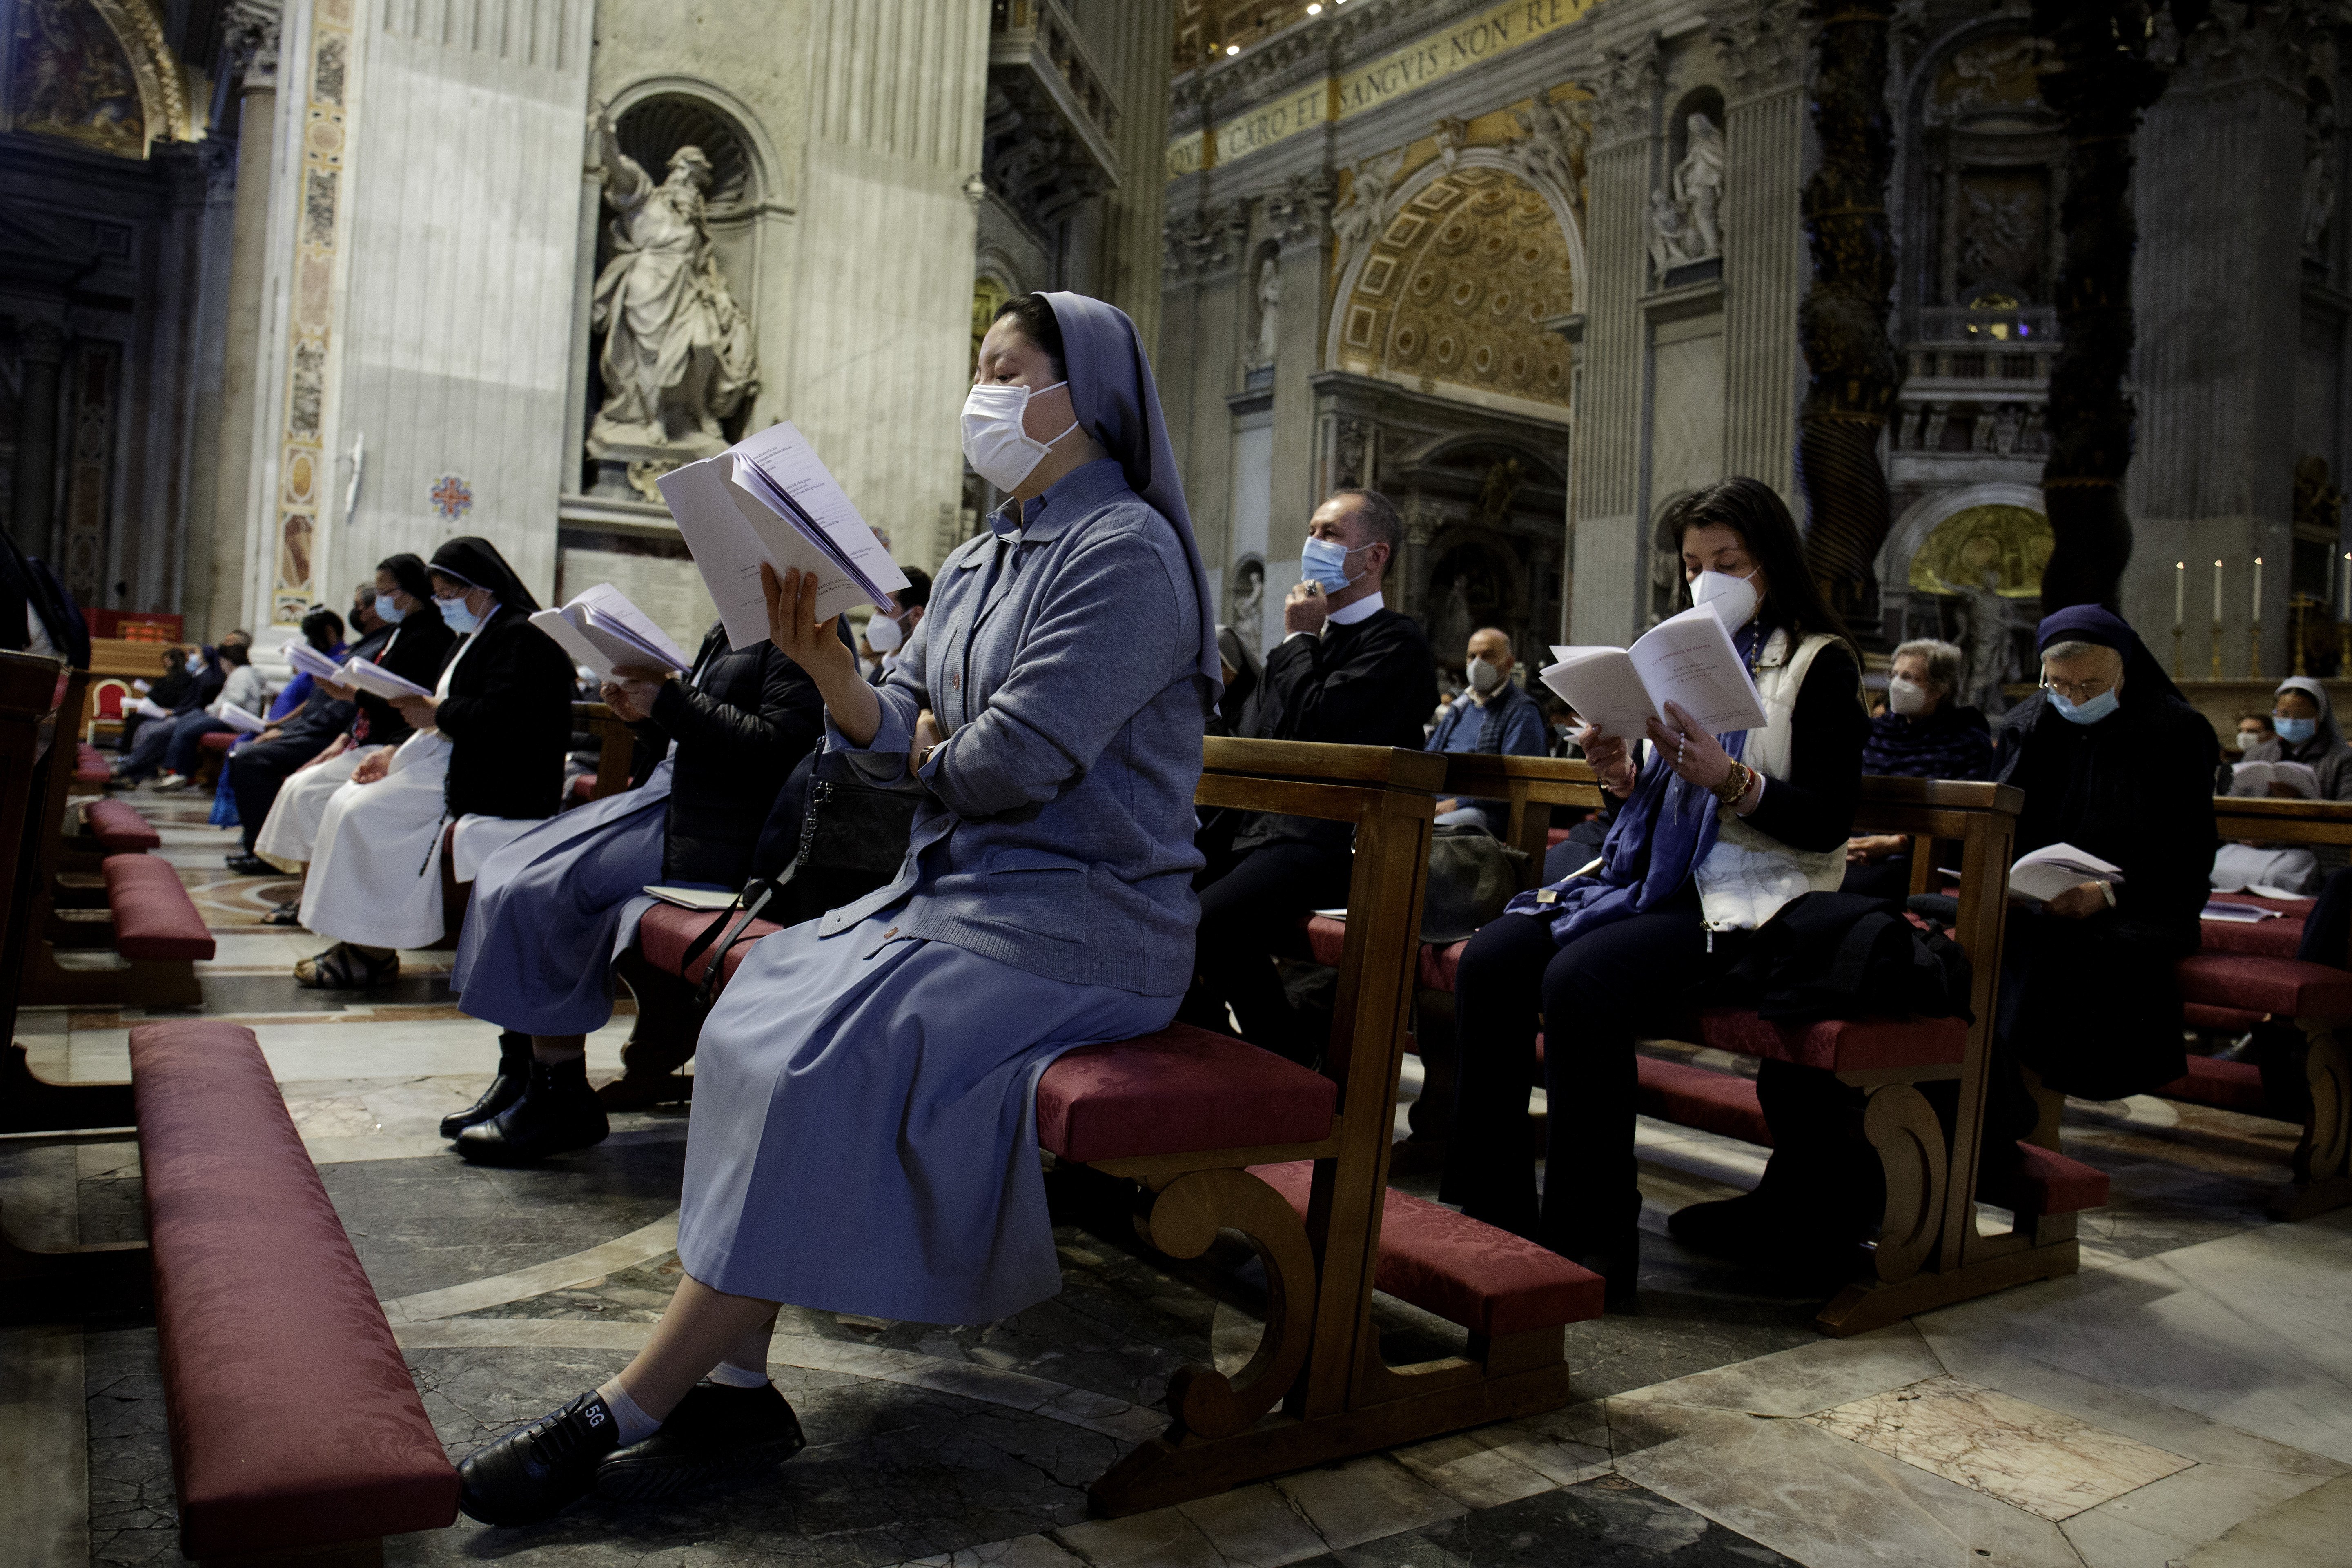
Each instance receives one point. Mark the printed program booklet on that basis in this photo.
(2044, 873)
(1687, 658)
(768, 499)
(603, 631)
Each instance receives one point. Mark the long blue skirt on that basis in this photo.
(552, 910)
(864, 1136)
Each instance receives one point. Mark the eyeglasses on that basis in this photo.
(2079, 690)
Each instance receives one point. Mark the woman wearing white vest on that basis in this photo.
(1717, 833)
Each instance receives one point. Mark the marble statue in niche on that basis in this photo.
(1450, 627)
(1685, 222)
(1698, 186)
(676, 355)
(1249, 603)
(2319, 176)
(1269, 313)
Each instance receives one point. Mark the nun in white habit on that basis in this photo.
(487, 754)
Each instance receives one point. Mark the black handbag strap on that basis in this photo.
(754, 897)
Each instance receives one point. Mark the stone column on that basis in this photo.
(2217, 293)
(217, 566)
(1764, 241)
(1297, 216)
(1611, 548)
(33, 486)
(1133, 39)
(1205, 253)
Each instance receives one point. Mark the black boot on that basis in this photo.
(514, 1071)
(716, 1434)
(535, 1471)
(557, 1112)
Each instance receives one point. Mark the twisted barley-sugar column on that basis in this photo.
(1852, 374)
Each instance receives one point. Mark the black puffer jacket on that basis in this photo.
(741, 723)
(509, 720)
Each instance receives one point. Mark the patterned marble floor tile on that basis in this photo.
(2050, 1465)
(2313, 1528)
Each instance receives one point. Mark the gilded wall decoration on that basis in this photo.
(2011, 541)
(1991, 75)
(302, 460)
(97, 375)
(74, 79)
(1458, 286)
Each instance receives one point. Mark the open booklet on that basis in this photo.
(308, 660)
(704, 898)
(373, 678)
(1687, 658)
(238, 718)
(2044, 873)
(2280, 781)
(768, 499)
(603, 631)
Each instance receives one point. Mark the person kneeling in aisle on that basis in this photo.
(488, 753)
(553, 908)
(864, 1136)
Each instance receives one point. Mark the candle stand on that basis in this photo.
(2255, 651)
(2217, 648)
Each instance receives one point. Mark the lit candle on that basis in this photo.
(2343, 608)
(2181, 590)
(2217, 593)
(2257, 618)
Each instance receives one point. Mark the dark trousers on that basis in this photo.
(186, 750)
(147, 752)
(258, 770)
(1251, 904)
(1590, 998)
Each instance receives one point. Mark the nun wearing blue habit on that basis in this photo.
(863, 1136)
(553, 908)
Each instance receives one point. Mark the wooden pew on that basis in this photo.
(1531, 788)
(1313, 1200)
(615, 744)
(2236, 989)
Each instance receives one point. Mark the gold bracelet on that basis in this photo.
(1734, 786)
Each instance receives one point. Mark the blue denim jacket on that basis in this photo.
(1062, 659)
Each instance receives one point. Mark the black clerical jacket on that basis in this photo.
(1370, 684)
(509, 720)
(742, 721)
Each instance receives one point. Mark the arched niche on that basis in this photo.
(96, 73)
(2010, 544)
(1483, 507)
(1919, 522)
(1455, 288)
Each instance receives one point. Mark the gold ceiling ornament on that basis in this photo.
(1456, 289)
(162, 86)
(2014, 540)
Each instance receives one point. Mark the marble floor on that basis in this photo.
(2186, 1399)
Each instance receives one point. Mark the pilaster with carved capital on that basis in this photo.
(1625, 92)
(250, 43)
(1300, 212)
(1202, 246)
(1760, 45)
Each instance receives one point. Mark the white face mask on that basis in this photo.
(1483, 676)
(1733, 599)
(994, 443)
(883, 636)
(1907, 697)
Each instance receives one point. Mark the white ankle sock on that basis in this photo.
(734, 1376)
(635, 1424)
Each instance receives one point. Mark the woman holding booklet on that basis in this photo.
(418, 646)
(864, 1134)
(487, 751)
(1715, 834)
(552, 910)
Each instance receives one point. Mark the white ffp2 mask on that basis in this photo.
(1906, 697)
(1733, 599)
(994, 443)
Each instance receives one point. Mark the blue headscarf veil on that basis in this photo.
(1112, 392)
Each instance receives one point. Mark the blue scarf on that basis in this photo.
(1660, 837)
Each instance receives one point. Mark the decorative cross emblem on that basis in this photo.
(452, 498)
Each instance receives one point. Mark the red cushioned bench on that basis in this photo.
(296, 1429)
(2243, 974)
(91, 770)
(115, 827)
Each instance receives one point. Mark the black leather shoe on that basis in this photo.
(514, 1071)
(1740, 1228)
(557, 1112)
(716, 1434)
(535, 1471)
(252, 866)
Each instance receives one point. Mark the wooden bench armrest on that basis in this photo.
(2283, 821)
(1313, 763)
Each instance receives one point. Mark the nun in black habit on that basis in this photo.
(2087, 995)
(487, 755)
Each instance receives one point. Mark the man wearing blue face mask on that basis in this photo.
(2113, 759)
(1349, 672)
